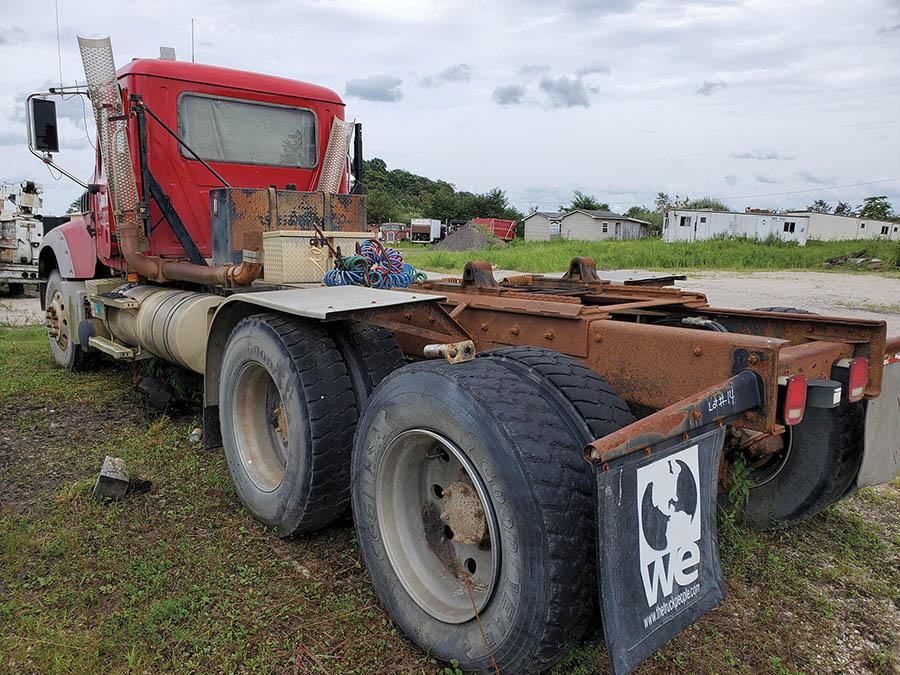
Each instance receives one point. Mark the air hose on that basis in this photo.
(373, 265)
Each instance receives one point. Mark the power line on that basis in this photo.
(820, 189)
(735, 198)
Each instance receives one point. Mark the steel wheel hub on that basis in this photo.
(437, 525)
(56, 322)
(260, 427)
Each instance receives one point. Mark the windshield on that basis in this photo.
(247, 132)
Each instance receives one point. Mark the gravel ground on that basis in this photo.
(20, 310)
(866, 296)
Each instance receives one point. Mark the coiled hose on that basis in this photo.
(373, 265)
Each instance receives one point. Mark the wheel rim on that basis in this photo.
(57, 323)
(437, 525)
(260, 427)
(767, 471)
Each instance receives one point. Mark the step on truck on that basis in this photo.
(524, 457)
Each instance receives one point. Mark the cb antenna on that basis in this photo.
(192, 41)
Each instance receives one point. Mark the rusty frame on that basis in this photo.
(613, 328)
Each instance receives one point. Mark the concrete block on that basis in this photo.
(112, 483)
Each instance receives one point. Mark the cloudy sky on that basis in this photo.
(618, 98)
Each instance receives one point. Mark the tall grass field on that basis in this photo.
(654, 254)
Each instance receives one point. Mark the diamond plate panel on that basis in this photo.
(300, 210)
(348, 213)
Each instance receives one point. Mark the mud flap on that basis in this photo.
(658, 552)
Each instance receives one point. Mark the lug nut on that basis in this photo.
(445, 516)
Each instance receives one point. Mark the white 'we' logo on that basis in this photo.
(668, 507)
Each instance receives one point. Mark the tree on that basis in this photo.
(819, 206)
(655, 218)
(843, 209)
(580, 200)
(702, 203)
(75, 206)
(662, 202)
(381, 207)
(877, 208)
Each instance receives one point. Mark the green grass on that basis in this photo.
(653, 254)
(182, 579)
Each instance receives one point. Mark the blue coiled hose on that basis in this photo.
(374, 265)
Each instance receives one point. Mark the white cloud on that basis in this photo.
(818, 72)
(375, 88)
(565, 92)
(509, 94)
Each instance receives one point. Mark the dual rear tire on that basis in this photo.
(472, 503)
(474, 507)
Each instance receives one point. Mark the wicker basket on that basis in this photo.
(289, 258)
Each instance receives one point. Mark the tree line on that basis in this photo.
(397, 196)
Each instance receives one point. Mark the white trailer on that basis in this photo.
(424, 230)
(700, 224)
(832, 227)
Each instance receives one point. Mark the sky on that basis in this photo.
(742, 100)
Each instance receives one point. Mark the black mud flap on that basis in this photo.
(658, 551)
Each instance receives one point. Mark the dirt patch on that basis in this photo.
(40, 446)
(469, 237)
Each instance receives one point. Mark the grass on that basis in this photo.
(654, 254)
(876, 307)
(181, 579)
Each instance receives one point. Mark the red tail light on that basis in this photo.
(858, 378)
(794, 400)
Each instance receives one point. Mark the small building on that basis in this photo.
(700, 224)
(590, 225)
(542, 225)
(831, 227)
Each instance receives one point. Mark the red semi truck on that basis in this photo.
(501, 502)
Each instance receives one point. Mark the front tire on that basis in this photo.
(472, 505)
(66, 353)
(287, 415)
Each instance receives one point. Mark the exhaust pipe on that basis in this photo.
(112, 134)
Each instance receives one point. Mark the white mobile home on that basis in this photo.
(831, 227)
(699, 224)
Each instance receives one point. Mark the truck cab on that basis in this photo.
(255, 131)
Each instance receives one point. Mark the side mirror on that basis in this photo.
(43, 125)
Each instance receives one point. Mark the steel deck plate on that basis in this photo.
(330, 302)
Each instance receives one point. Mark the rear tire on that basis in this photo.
(823, 456)
(819, 464)
(370, 354)
(287, 415)
(598, 410)
(511, 448)
(591, 406)
(783, 310)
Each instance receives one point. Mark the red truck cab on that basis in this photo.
(255, 130)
